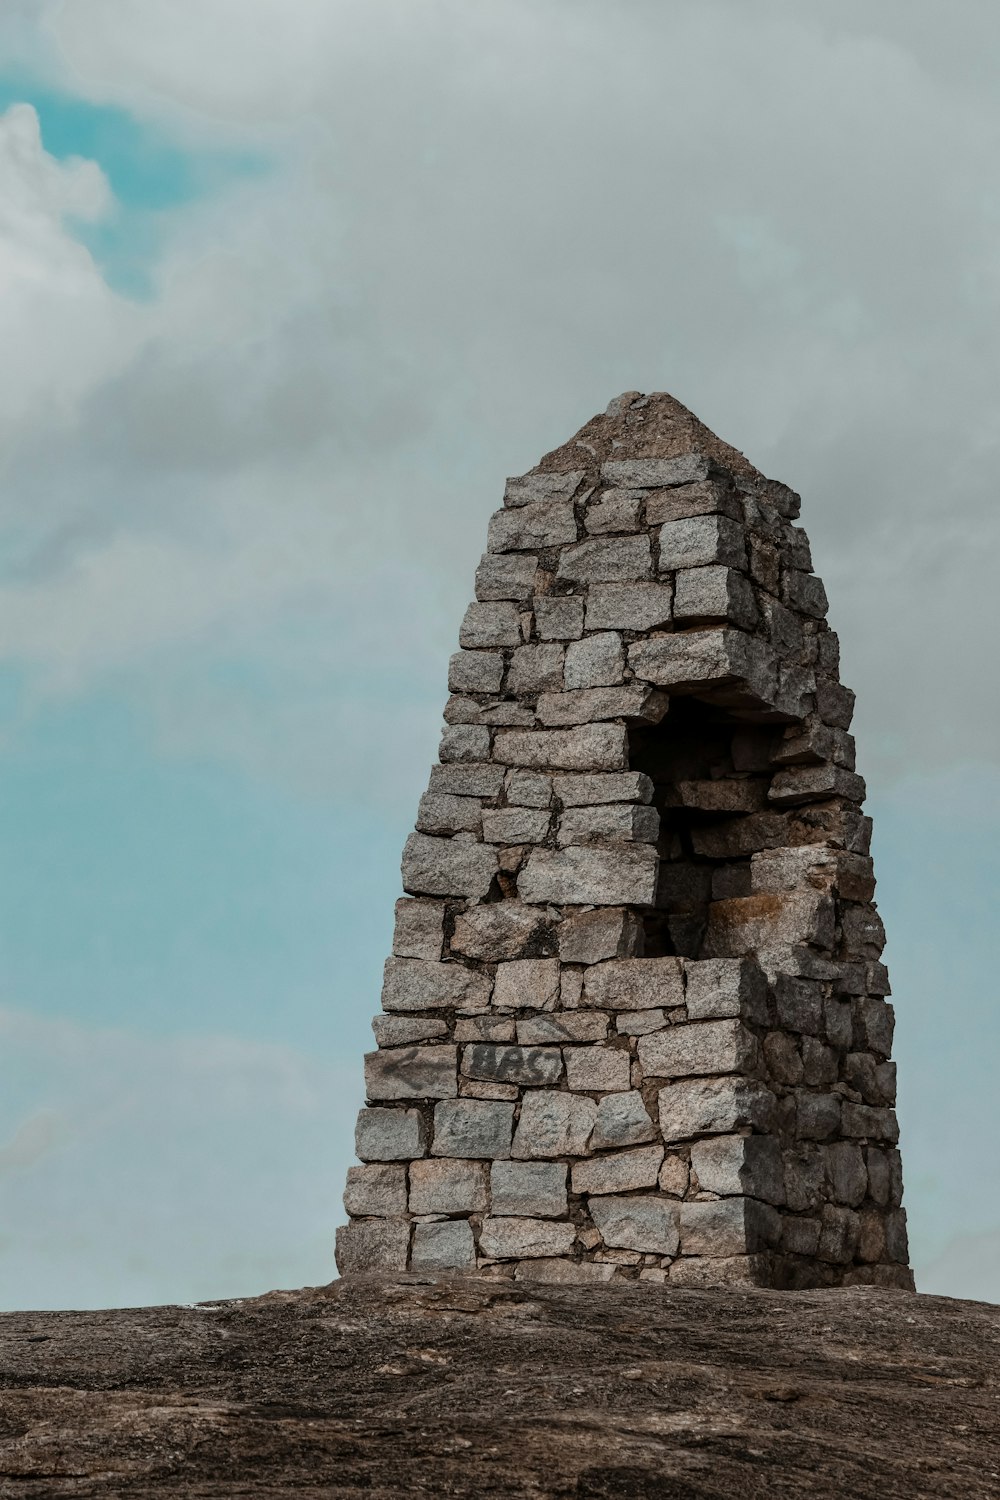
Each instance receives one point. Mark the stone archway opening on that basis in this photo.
(710, 773)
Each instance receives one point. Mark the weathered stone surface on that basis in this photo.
(590, 705)
(563, 1272)
(501, 930)
(617, 822)
(527, 984)
(651, 473)
(719, 987)
(629, 606)
(618, 559)
(389, 1135)
(634, 984)
(448, 867)
(588, 875)
(443, 1247)
(543, 523)
(536, 1066)
(373, 1245)
(475, 672)
(399, 1031)
(467, 780)
(475, 1128)
(447, 1187)
(528, 489)
(587, 937)
(732, 1165)
(439, 813)
(622, 1120)
(528, 1189)
(700, 540)
(419, 929)
(758, 1053)
(505, 575)
(699, 1047)
(618, 1173)
(414, 984)
(644, 1222)
(597, 1070)
(412, 1073)
(729, 1226)
(591, 747)
(377, 1189)
(554, 1124)
(587, 791)
(536, 669)
(713, 1106)
(596, 661)
(490, 624)
(517, 1239)
(714, 594)
(564, 1026)
(559, 618)
(515, 825)
(617, 510)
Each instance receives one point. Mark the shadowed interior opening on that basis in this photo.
(710, 774)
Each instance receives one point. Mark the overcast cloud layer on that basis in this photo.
(250, 504)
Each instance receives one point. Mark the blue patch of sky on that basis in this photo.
(178, 897)
(149, 174)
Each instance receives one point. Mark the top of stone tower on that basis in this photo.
(639, 426)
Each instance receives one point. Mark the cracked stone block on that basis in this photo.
(536, 669)
(644, 1222)
(515, 825)
(616, 823)
(528, 1189)
(617, 510)
(443, 1247)
(719, 987)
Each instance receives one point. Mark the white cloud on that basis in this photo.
(481, 223)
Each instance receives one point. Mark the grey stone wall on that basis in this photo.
(635, 1024)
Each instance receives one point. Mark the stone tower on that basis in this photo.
(634, 1024)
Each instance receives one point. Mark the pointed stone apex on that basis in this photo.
(638, 426)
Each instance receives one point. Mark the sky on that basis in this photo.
(286, 291)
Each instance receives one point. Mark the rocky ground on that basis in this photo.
(446, 1386)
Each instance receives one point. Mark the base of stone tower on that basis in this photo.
(471, 1387)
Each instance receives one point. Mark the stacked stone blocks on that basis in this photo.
(634, 1024)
